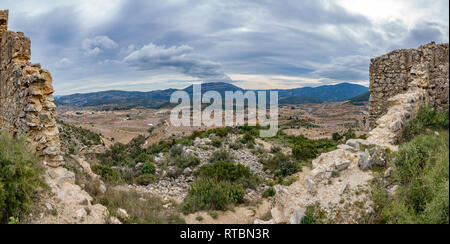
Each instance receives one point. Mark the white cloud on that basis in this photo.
(96, 45)
(261, 81)
(63, 62)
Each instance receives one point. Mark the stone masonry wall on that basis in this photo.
(394, 73)
(26, 101)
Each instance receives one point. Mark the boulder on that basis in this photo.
(187, 171)
(139, 166)
(122, 213)
(262, 222)
(311, 186)
(297, 216)
(357, 143)
(375, 157)
(341, 164)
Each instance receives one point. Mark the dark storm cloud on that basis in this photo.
(182, 59)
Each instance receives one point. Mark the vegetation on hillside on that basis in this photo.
(20, 178)
(74, 138)
(361, 99)
(421, 172)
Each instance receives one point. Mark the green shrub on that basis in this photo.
(221, 156)
(247, 139)
(310, 217)
(270, 192)
(142, 208)
(275, 149)
(222, 132)
(216, 142)
(337, 137)
(176, 151)
(148, 168)
(107, 173)
(236, 146)
(304, 151)
(421, 168)
(210, 194)
(281, 165)
(20, 177)
(145, 179)
(185, 161)
(427, 118)
(143, 157)
(227, 171)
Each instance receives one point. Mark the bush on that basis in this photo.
(145, 179)
(222, 132)
(142, 158)
(305, 151)
(275, 149)
(148, 168)
(269, 192)
(227, 171)
(310, 217)
(421, 168)
(20, 177)
(210, 194)
(248, 139)
(107, 173)
(185, 161)
(281, 165)
(337, 137)
(221, 156)
(426, 118)
(216, 142)
(236, 146)
(176, 151)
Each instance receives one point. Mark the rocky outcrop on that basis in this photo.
(27, 107)
(26, 95)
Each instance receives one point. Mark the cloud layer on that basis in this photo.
(147, 45)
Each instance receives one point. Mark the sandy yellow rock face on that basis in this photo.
(26, 95)
(27, 107)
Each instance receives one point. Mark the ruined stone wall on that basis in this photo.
(394, 73)
(26, 101)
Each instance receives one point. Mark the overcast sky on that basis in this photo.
(149, 45)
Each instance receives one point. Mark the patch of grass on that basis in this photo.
(142, 209)
(210, 194)
(216, 142)
(20, 177)
(145, 179)
(107, 173)
(275, 149)
(421, 169)
(228, 171)
(236, 145)
(270, 192)
(312, 216)
(148, 168)
(281, 165)
(426, 119)
(221, 156)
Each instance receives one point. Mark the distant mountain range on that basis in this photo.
(158, 99)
